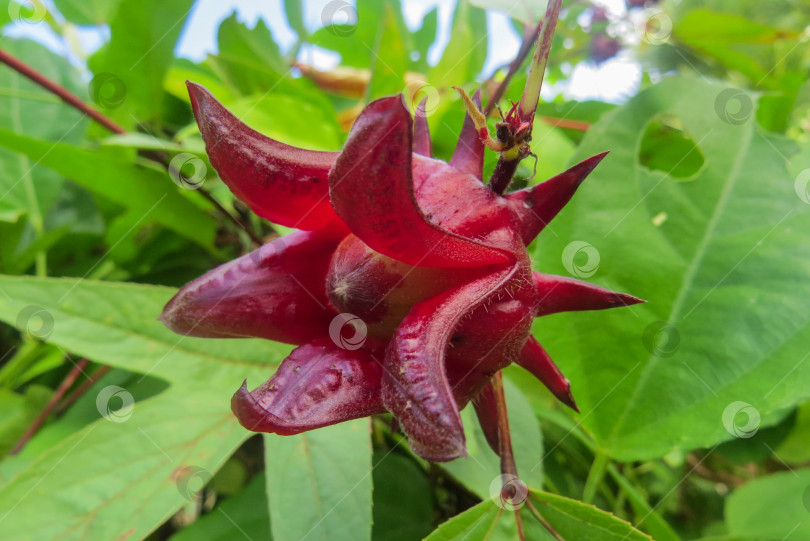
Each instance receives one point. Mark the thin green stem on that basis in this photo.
(531, 92)
(595, 476)
(647, 518)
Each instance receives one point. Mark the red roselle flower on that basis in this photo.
(424, 260)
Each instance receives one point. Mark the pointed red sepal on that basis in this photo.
(563, 294)
(371, 188)
(282, 183)
(537, 361)
(486, 409)
(537, 205)
(415, 385)
(421, 131)
(275, 292)
(469, 153)
(319, 384)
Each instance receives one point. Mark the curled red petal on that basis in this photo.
(469, 153)
(491, 336)
(538, 362)
(372, 190)
(275, 292)
(319, 384)
(282, 183)
(537, 205)
(421, 131)
(563, 294)
(415, 386)
(486, 409)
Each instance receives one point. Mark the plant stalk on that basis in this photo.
(508, 161)
(74, 101)
(49, 407)
(508, 466)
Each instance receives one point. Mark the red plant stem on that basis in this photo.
(79, 391)
(60, 91)
(74, 101)
(565, 123)
(543, 521)
(49, 407)
(502, 174)
(514, 66)
(508, 466)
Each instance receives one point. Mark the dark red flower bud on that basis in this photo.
(410, 284)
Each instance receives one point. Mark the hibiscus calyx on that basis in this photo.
(408, 285)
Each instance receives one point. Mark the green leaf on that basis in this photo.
(26, 186)
(183, 69)
(721, 256)
(248, 58)
(126, 477)
(123, 477)
(143, 141)
(18, 411)
(140, 189)
(353, 32)
(478, 470)
(466, 52)
(390, 59)
(423, 38)
(87, 12)
(576, 520)
(704, 25)
(115, 323)
(723, 35)
(129, 70)
(241, 515)
(474, 523)
(319, 483)
(772, 507)
(525, 11)
(794, 449)
(293, 10)
(569, 518)
(281, 116)
(403, 499)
